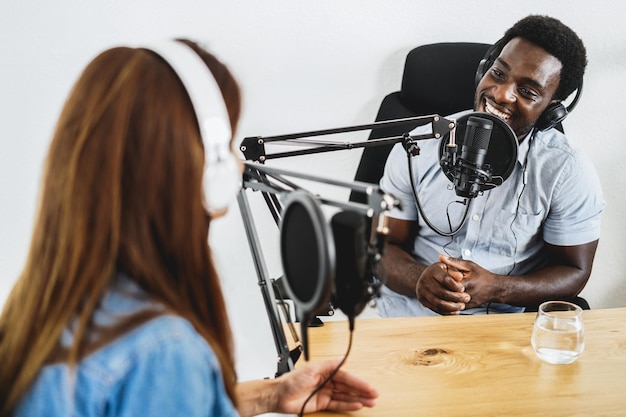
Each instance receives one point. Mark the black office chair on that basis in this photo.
(579, 301)
(438, 79)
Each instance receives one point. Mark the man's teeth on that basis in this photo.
(496, 112)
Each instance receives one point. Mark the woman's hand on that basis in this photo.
(287, 393)
(344, 392)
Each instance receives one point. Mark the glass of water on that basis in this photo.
(558, 333)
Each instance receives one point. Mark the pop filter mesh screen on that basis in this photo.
(300, 252)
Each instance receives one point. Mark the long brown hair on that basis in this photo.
(121, 192)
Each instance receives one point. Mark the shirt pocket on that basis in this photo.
(514, 233)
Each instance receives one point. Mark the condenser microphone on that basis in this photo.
(483, 159)
(351, 282)
(472, 172)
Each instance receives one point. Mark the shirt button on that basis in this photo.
(475, 217)
(467, 252)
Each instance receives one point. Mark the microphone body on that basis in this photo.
(471, 172)
(351, 281)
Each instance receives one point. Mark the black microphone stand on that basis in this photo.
(274, 183)
(253, 147)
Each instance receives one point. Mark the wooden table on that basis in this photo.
(479, 366)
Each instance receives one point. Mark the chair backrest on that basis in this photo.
(438, 79)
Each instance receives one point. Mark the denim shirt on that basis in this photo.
(553, 195)
(161, 368)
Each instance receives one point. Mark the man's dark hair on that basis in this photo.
(558, 40)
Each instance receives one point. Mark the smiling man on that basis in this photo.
(520, 85)
(529, 240)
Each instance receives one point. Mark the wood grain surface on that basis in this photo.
(479, 366)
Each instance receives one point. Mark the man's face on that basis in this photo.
(519, 85)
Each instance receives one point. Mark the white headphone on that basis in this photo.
(222, 178)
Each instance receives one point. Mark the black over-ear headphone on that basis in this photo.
(554, 114)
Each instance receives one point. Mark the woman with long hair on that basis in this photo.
(119, 310)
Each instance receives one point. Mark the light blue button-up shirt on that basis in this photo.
(560, 203)
(162, 368)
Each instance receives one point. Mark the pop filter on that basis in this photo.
(323, 260)
(307, 252)
(501, 152)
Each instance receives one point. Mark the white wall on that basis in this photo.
(303, 65)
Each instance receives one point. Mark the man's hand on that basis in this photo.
(440, 287)
(477, 281)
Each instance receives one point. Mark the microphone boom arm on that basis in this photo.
(274, 183)
(256, 178)
(253, 147)
(285, 360)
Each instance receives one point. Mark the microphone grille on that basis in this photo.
(480, 132)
